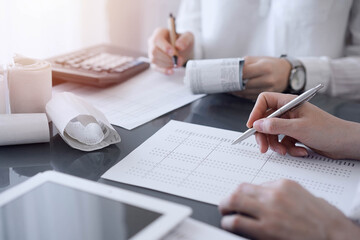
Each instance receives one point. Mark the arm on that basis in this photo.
(189, 20)
(161, 51)
(341, 77)
(315, 128)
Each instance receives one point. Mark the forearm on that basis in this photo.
(339, 76)
(189, 20)
(351, 140)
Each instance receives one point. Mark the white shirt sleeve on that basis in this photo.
(189, 19)
(340, 76)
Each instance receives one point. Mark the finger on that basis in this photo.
(275, 145)
(292, 149)
(162, 64)
(241, 225)
(161, 40)
(160, 58)
(181, 61)
(267, 101)
(252, 70)
(262, 141)
(243, 200)
(250, 59)
(167, 71)
(185, 41)
(276, 126)
(242, 204)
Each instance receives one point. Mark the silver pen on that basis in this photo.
(296, 102)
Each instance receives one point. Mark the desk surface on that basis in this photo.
(17, 163)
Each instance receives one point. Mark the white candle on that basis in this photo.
(29, 85)
(2, 95)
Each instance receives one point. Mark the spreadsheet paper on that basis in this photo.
(138, 100)
(199, 163)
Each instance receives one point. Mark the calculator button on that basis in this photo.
(97, 69)
(118, 70)
(75, 65)
(60, 61)
(86, 67)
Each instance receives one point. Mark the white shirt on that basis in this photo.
(323, 34)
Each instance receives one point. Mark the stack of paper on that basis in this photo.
(138, 100)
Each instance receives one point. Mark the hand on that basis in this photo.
(283, 210)
(320, 131)
(161, 51)
(264, 74)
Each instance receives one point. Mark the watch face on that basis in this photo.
(297, 81)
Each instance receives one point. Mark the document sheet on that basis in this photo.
(138, 100)
(191, 229)
(199, 162)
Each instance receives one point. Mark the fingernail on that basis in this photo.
(169, 71)
(227, 222)
(303, 152)
(258, 125)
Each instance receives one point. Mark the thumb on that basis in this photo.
(184, 41)
(275, 126)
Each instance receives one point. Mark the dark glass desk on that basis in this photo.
(17, 163)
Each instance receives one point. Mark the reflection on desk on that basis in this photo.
(23, 161)
(89, 165)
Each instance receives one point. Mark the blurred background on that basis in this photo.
(43, 28)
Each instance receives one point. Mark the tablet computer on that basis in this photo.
(54, 206)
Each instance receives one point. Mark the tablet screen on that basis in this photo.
(52, 211)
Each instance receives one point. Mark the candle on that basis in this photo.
(29, 85)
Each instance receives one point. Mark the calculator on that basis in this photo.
(100, 66)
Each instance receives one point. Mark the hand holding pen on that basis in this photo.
(307, 124)
(165, 45)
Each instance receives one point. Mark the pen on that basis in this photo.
(296, 102)
(172, 30)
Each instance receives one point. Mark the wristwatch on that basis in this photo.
(297, 79)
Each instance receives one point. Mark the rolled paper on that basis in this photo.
(214, 75)
(2, 95)
(29, 85)
(24, 128)
(80, 124)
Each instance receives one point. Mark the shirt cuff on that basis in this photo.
(317, 71)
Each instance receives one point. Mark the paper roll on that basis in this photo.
(214, 75)
(29, 85)
(65, 108)
(24, 128)
(2, 95)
